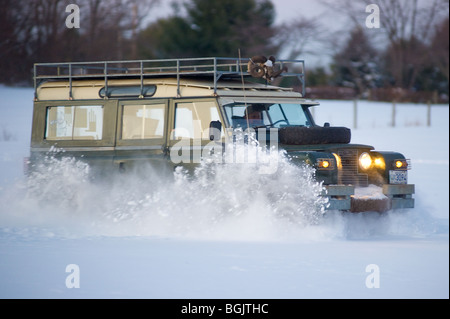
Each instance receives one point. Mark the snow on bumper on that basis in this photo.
(371, 198)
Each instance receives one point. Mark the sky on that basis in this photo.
(286, 9)
(291, 9)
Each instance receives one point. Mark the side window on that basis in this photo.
(192, 119)
(143, 121)
(83, 122)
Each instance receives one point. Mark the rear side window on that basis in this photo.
(82, 122)
(143, 121)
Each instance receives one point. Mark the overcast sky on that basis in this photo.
(290, 9)
(286, 9)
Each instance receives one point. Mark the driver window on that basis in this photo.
(241, 115)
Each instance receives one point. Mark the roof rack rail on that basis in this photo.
(216, 67)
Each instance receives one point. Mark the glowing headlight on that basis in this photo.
(365, 161)
(379, 162)
(325, 163)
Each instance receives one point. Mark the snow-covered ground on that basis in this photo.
(131, 240)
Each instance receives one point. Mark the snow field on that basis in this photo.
(222, 244)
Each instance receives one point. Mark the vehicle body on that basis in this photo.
(119, 115)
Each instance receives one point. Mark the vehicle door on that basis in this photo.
(141, 140)
(196, 132)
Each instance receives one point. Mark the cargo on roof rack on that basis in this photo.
(215, 67)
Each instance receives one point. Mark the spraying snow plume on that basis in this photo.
(248, 193)
(226, 200)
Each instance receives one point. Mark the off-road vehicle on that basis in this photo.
(118, 115)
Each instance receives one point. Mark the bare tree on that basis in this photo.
(356, 65)
(35, 31)
(440, 48)
(111, 23)
(294, 38)
(407, 26)
(400, 19)
(405, 19)
(14, 30)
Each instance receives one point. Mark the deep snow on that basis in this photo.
(212, 241)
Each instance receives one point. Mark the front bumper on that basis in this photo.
(339, 196)
(400, 196)
(390, 197)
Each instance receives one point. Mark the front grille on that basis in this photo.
(349, 173)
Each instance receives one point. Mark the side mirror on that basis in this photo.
(326, 124)
(215, 130)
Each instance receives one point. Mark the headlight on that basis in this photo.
(379, 163)
(365, 161)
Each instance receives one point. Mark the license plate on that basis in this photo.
(398, 177)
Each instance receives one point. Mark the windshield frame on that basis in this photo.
(267, 116)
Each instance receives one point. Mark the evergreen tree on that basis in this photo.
(212, 28)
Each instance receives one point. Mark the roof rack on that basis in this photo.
(216, 67)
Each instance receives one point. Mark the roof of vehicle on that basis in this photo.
(164, 88)
(168, 78)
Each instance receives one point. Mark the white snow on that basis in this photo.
(133, 239)
(370, 192)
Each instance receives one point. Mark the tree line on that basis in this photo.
(406, 55)
(414, 58)
(33, 31)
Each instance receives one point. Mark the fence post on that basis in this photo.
(394, 106)
(355, 113)
(429, 113)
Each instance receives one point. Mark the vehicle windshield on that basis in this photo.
(267, 115)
